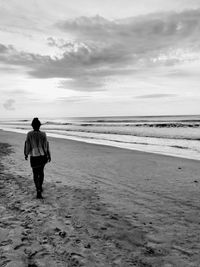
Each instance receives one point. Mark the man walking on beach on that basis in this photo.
(37, 146)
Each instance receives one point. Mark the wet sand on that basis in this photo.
(103, 206)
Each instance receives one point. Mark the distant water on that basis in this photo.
(169, 135)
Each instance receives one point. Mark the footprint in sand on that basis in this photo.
(74, 260)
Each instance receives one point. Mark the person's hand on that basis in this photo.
(26, 157)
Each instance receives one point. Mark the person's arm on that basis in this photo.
(48, 152)
(25, 155)
(46, 148)
(27, 147)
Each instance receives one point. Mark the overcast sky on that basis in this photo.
(99, 57)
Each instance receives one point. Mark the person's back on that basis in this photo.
(36, 143)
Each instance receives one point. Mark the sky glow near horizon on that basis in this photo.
(99, 58)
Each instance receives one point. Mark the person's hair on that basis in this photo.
(36, 124)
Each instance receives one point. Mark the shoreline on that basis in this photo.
(103, 206)
(102, 143)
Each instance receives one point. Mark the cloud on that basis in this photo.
(101, 48)
(73, 99)
(143, 37)
(9, 104)
(9, 55)
(15, 92)
(87, 27)
(169, 24)
(3, 48)
(51, 41)
(84, 83)
(56, 42)
(156, 96)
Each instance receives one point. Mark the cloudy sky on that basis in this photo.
(99, 57)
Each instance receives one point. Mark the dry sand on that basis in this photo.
(102, 206)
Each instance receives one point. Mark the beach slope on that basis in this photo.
(102, 206)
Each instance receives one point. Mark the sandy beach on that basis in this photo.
(102, 206)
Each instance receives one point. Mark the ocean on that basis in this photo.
(168, 135)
